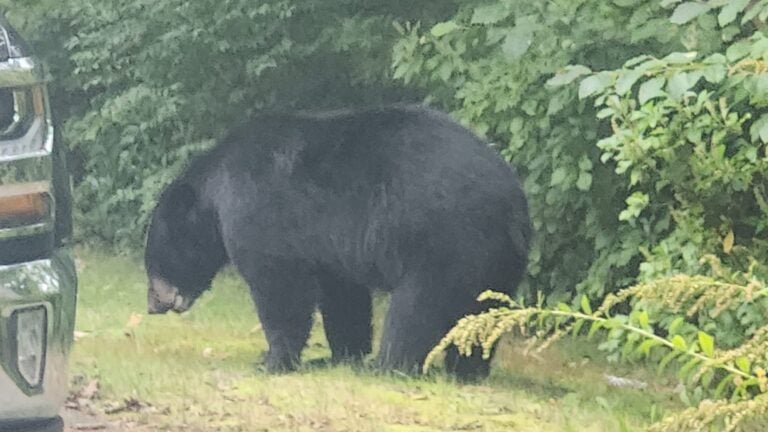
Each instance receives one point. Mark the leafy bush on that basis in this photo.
(143, 85)
(688, 140)
(490, 64)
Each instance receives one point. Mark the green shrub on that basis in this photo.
(490, 64)
(143, 85)
(727, 388)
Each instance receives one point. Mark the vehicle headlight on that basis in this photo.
(24, 128)
(30, 326)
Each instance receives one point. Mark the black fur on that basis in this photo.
(318, 210)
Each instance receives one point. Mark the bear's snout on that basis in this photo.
(162, 297)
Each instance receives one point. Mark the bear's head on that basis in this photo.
(184, 250)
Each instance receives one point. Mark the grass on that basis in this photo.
(200, 371)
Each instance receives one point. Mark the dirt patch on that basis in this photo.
(85, 411)
(76, 421)
(79, 421)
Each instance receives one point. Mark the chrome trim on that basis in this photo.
(25, 231)
(21, 72)
(40, 130)
(52, 282)
(5, 42)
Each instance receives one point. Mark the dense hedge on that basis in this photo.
(501, 66)
(144, 84)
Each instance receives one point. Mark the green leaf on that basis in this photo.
(645, 347)
(679, 343)
(585, 164)
(594, 84)
(737, 51)
(678, 85)
(577, 327)
(495, 34)
(707, 344)
(584, 182)
(728, 13)
(687, 11)
(751, 14)
(585, 307)
(490, 14)
(558, 101)
(751, 154)
(716, 58)
(636, 203)
(612, 323)
(759, 129)
(626, 80)
(680, 57)
(529, 107)
(642, 319)
(517, 42)
(687, 368)
(563, 307)
(715, 73)
(741, 389)
(684, 398)
(743, 364)
(636, 60)
(674, 326)
(667, 358)
(558, 176)
(568, 75)
(443, 28)
(444, 71)
(596, 325)
(651, 89)
(723, 383)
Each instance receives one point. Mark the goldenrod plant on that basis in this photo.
(727, 386)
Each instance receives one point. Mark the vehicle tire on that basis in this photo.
(55, 424)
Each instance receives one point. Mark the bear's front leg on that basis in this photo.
(285, 298)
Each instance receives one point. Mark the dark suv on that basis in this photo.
(38, 286)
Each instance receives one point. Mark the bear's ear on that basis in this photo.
(180, 199)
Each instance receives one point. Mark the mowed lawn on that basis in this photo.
(201, 371)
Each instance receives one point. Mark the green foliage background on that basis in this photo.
(493, 64)
(142, 85)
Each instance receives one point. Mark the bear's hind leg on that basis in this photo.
(468, 368)
(346, 310)
(415, 323)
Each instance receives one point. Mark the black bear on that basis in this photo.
(319, 209)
